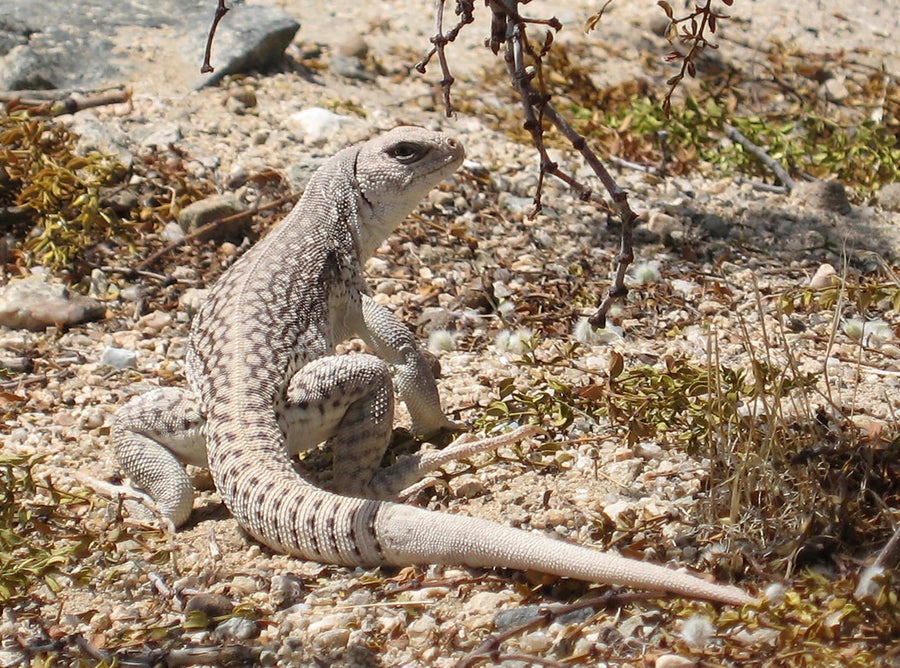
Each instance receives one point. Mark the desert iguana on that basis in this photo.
(264, 383)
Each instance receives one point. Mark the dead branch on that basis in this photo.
(524, 66)
(780, 172)
(464, 9)
(221, 11)
(56, 103)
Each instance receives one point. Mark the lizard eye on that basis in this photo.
(407, 152)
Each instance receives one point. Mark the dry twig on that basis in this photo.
(524, 66)
(203, 229)
(221, 11)
(57, 103)
(780, 172)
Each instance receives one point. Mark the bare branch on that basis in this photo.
(221, 11)
(40, 103)
(464, 9)
(536, 108)
(780, 172)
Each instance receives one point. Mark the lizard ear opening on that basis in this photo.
(406, 152)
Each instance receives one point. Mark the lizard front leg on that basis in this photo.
(155, 435)
(394, 343)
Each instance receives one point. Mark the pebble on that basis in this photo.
(330, 641)
(468, 486)
(827, 195)
(825, 277)
(318, 125)
(244, 585)
(661, 225)
(213, 605)
(191, 300)
(286, 589)
(119, 358)
(535, 642)
(714, 225)
(337, 620)
(239, 628)
(674, 661)
(421, 630)
(171, 232)
(204, 211)
(889, 196)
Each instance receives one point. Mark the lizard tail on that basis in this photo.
(409, 535)
(292, 516)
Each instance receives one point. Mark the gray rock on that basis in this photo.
(239, 628)
(81, 44)
(714, 225)
(192, 299)
(172, 232)
(889, 196)
(119, 358)
(827, 195)
(199, 213)
(159, 135)
(318, 125)
(32, 303)
(506, 619)
(349, 67)
(212, 605)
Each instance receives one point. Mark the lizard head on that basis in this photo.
(394, 171)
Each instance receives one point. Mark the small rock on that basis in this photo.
(161, 135)
(714, 225)
(286, 590)
(674, 661)
(191, 300)
(535, 642)
(350, 67)
(204, 211)
(99, 284)
(661, 225)
(244, 95)
(889, 196)
(827, 195)
(336, 620)
(34, 304)
(421, 630)
(119, 358)
(244, 585)
(172, 232)
(330, 642)
(20, 364)
(239, 628)
(155, 321)
(318, 125)
(468, 487)
(516, 205)
(213, 605)
(354, 47)
(132, 293)
(825, 277)
(835, 89)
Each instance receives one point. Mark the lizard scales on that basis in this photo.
(261, 350)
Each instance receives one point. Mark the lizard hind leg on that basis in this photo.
(346, 401)
(155, 435)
